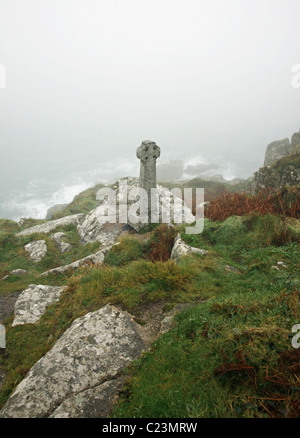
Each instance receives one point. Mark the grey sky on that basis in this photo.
(88, 80)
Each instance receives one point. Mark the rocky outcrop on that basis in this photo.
(270, 178)
(47, 227)
(55, 209)
(60, 242)
(277, 150)
(94, 350)
(168, 202)
(181, 249)
(281, 166)
(33, 301)
(93, 229)
(37, 250)
(295, 141)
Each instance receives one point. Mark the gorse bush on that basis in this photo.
(8, 226)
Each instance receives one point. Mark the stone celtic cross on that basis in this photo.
(148, 152)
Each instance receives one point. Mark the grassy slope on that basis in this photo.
(217, 360)
(13, 256)
(253, 311)
(82, 203)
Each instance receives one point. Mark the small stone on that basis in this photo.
(181, 249)
(63, 246)
(33, 301)
(168, 322)
(37, 250)
(232, 269)
(19, 272)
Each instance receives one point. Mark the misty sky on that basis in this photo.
(88, 80)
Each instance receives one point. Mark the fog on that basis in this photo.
(88, 80)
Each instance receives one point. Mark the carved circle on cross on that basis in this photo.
(148, 149)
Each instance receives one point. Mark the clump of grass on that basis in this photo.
(8, 227)
(128, 250)
(285, 202)
(30, 222)
(270, 229)
(246, 232)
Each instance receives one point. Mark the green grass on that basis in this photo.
(197, 370)
(128, 250)
(13, 256)
(82, 203)
(292, 159)
(178, 378)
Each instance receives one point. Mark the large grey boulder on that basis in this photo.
(92, 230)
(277, 150)
(95, 230)
(47, 227)
(37, 250)
(33, 302)
(91, 352)
(167, 203)
(181, 249)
